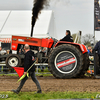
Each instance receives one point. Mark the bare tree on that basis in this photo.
(87, 39)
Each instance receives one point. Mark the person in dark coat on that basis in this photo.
(68, 37)
(28, 61)
(97, 48)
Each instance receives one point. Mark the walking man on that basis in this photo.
(28, 61)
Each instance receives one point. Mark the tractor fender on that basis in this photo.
(81, 46)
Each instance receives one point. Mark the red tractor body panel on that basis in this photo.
(44, 42)
(47, 43)
(81, 46)
(14, 46)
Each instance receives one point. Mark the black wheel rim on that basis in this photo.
(65, 62)
(13, 61)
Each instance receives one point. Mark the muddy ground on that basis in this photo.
(7, 83)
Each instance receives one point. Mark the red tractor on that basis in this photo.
(65, 59)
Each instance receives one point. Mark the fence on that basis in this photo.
(5, 70)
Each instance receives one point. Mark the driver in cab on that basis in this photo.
(68, 37)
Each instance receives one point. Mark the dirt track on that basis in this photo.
(48, 84)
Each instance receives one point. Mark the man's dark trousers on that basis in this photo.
(32, 74)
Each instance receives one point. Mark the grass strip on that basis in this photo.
(48, 95)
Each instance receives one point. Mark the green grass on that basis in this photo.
(44, 73)
(45, 70)
(48, 95)
(8, 74)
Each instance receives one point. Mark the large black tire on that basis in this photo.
(65, 61)
(13, 60)
(85, 66)
(86, 63)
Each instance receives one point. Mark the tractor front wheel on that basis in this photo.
(13, 60)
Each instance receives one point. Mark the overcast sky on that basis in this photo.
(74, 15)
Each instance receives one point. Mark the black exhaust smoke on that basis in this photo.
(38, 5)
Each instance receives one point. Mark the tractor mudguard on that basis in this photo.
(81, 46)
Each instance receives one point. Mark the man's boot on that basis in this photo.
(17, 90)
(38, 88)
(39, 91)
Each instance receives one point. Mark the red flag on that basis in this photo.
(19, 70)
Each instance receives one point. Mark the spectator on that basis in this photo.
(89, 48)
(7, 52)
(97, 48)
(10, 52)
(21, 51)
(44, 51)
(1, 53)
(91, 54)
(40, 49)
(41, 53)
(91, 58)
(0, 50)
(5, 68)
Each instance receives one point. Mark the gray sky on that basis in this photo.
(16, 4)
(74, 15)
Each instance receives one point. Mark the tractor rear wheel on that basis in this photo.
(65, 61)
(13, 60)
(85, 65)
